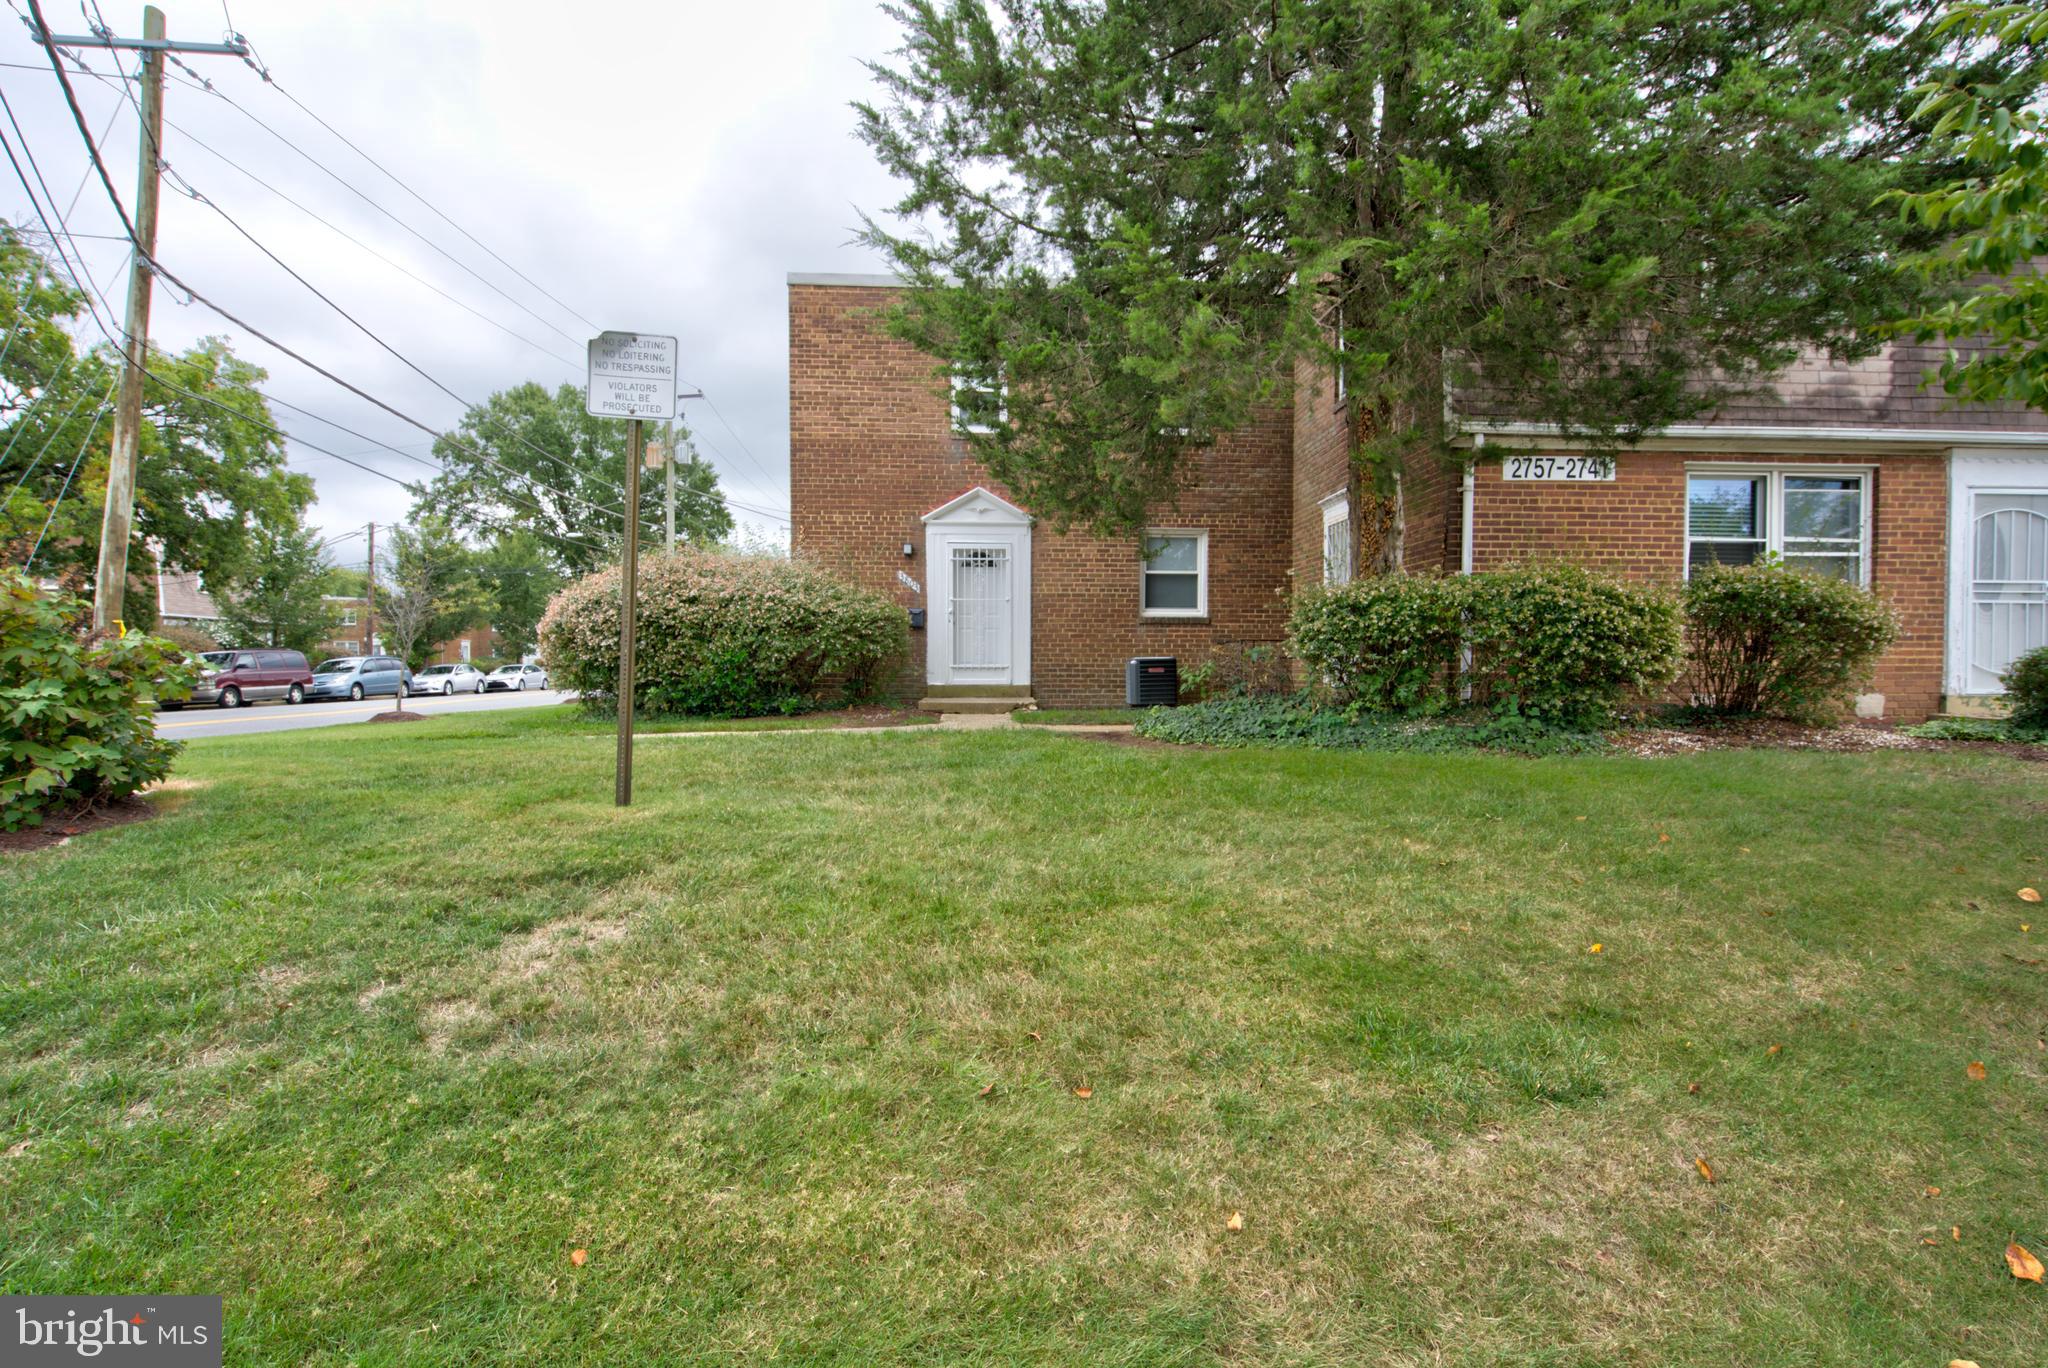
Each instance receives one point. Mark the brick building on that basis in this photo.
(1851, 469)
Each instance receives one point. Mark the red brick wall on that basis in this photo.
(1322, 466)
(1635, 527)
(872, 450)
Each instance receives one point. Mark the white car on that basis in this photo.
(461, 677)
(516, 678)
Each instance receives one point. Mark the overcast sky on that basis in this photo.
(657, 167)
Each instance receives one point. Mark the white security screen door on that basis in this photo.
(978, 548)
(981, 611)
(2008, 610)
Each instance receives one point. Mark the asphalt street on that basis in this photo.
(191, 723)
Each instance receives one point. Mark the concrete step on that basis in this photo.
(1021, 692)
(956, 703)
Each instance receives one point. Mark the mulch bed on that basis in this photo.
(1771, 734)
(56, 830)
(398, 716)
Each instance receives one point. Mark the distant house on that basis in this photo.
(182, 600)
(1854, 470)
(352, 615)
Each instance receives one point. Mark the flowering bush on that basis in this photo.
(1765, 638)
(1387, 643)
(725, 635)
(75, 724)
(1564, 645)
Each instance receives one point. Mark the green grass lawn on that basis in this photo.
(570, 719)
(376, 1025)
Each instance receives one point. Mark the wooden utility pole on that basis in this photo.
(629, 604)
(117, 523)
(668, 461)
(370, 597)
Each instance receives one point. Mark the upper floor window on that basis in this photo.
(348, 617)
(1816, 518)
(1337, 539)
(977, 403)
(1174, 574)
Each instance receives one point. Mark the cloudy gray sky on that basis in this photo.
(654, 166)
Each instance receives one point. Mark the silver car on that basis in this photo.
(516, 678)
(459, 677)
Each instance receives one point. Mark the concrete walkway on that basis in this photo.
(946, 722)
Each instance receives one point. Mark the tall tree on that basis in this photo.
(532, 461)
(432, 591)
(519, 579)
(1143, 213)
(210, 467)
(1997, 318)
(278, 599)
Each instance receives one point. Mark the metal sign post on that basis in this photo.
(632, 376)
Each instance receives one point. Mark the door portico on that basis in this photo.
(978, 575)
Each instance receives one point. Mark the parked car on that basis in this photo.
(209, 664)
(516, 678)
(359, 677)
(461, 677)
(231, 678)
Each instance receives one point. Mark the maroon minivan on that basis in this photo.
(245, 676)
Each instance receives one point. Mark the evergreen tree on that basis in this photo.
(1132, 218)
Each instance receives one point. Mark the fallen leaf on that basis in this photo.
(1236, 1222)
(989, 1091)
(1663, 836)
(1962, 1363)
(2022, 1264)
(1692, 1088)
(1974, 907)
(1774, 1049)
(1932, 1191)
(1743, 849)
(1578, 819)
(1084, 1092)
(1929, 1240)
(1956, 1233)
(2026, 926)
(1959, 870)
(1706, 1169)
(579, 1256)
(1976, 1070)
(1033, 1035)
(2030, 895)
(1594, 948)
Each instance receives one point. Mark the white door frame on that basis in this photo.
(976, 518)
(1970, 473)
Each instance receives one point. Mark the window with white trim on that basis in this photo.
(977, 404)
(1174, 574)
(348, 617)
(1337, 539)
(463, 646)
(1816, 517)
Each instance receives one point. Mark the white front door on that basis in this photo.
(979, 610)
(978, 564)
(2008, 582)
(1998, 550)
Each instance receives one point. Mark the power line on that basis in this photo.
(21, 425)
(105, 406)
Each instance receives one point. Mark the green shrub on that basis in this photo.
(2026, 689)
(1300, 720)
(75, 716)
(1559, 644)
(1387, 643)
(1235, 670)
(724, 635)
(1564, 645)
(1765, 638)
